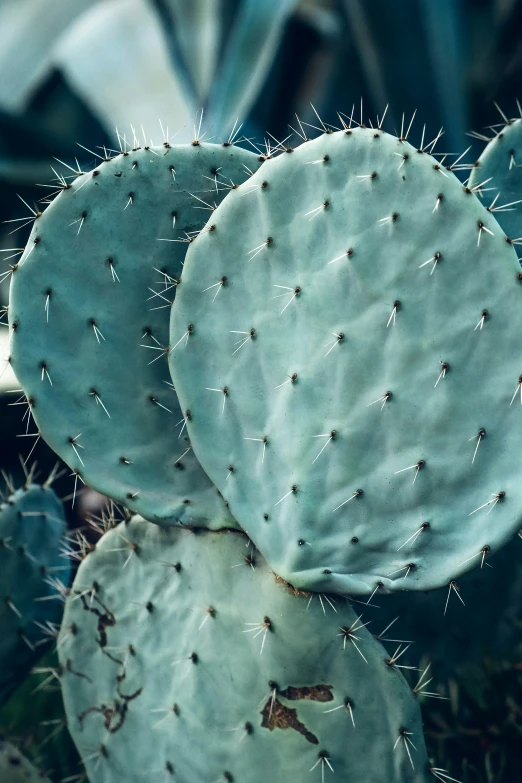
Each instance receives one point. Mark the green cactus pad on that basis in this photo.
(15, 768)
(499, 169)
(368, 343)
(89, 310)
(33, 572)
(184, 657)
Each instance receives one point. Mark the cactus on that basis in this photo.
(498, 169)
(33, 576)
(358, 464)
(187, 641)
(89, 312)
(15, 768)
(370, 436)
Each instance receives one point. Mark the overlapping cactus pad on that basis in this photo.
(89, 311)
(355, 389)
(15, 768)
(184, 658)
(33, 573)
(499, 170)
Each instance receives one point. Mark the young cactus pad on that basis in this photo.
(190, 661)
(15, 768)
(368, 342)
(33, 573)
(499, 170)
(89, 314)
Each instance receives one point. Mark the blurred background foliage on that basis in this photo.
(74, 71)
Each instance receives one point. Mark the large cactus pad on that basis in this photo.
(367, 347)
(33, 571)
(89, 310)
(185, 658)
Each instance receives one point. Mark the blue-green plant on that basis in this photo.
(223, 54)
(34, 576)
(497, 178)
(187, 641)
(354, 391)
(350, 426)
(89, 310)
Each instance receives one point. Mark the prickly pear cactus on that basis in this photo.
(355, 390)
(189, 642)
(15, 768)
(499, 172)
(89, 314)
(33, 576)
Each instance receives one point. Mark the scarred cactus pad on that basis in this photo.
(185, 650)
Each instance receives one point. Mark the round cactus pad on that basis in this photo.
(195, 644)
(367, 424)
(499, 170)
(89, 310)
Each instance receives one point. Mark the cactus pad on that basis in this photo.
(32, 573)
(187, 641)
(15, 768)
(499, 169)
(89, 312)
(367, 348)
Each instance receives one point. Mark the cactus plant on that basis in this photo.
(355, 466)
(498, 180)
(33, 576)
(370, 436)
(89, 313)
(189, 642)
(15, 768)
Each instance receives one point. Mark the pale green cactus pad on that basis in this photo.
(89, 314)
(15, 768)
(185, 658)
(499, 172)
(355, 390)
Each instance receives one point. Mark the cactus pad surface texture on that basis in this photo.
(367, 421)
(15, 768)
(184, 658)
(32, 572)
(499, 169)
(89, 314)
